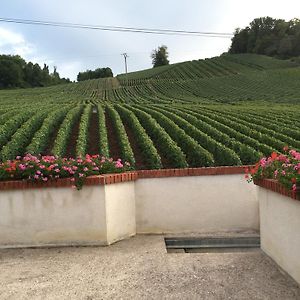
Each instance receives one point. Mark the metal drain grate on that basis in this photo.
(212, 244)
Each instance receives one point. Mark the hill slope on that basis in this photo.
(173, 116)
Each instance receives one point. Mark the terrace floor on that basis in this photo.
(140, 268)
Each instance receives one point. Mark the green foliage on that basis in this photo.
(273, 37)
(103, 140)
(98, 73)
(15, 72)
(11, 126)
(247, 154)
(64, 132)
(196, 155)
(150, 154)
(218, 111)
(221, 154)
(160, 56)
(161, 139)
(235, 130)
(121, 135)
(82, 140)
(11, 73)
(41, 138)
(17, 145)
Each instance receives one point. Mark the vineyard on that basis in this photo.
(228, 110)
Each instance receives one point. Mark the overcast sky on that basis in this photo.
(74, 50)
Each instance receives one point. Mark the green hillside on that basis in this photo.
(228, 110)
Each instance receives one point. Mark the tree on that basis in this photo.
(160, 56)
(98, 73)
(10, 74)
(15, 72)
(273, 37)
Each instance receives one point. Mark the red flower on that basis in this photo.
(293, 180)
(274, 155)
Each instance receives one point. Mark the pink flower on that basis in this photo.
(81, 175)
(285, 148)
(263, 162)
(118, 164)
(42, 167)
(85, 169)
(57, 170)
(22, 167)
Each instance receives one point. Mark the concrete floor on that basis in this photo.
(140, 268)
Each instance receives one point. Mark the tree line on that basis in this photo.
(15, 72)
(98, 73)
(268, 36)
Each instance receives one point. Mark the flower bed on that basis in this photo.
(278, 172)
(275, 186)
(49, 168)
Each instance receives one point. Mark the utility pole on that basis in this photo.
(125, 58)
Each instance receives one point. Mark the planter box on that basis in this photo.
(279, 225)
(115, 206)
(189, 204)
(95, 215)
(275, 186)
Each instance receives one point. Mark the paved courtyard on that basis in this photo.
(140, 268)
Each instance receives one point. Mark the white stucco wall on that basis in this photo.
(101, 215)
(52, 216)
(95, 215)
(280, 230)
(196, 204)
(120, 211)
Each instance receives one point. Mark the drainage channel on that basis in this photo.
(212, 244)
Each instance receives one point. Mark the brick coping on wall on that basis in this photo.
(275, 186)
(124, 177)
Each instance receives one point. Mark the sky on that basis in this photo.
(75, 50)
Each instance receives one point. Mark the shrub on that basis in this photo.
(45, 168)
(283, 167)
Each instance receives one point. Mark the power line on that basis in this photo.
(52, 60)
(118, 28)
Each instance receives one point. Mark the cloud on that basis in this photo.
(74, 50)
(14, 43)
(69, 69)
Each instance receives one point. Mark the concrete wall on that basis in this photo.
(95, 215)
(280, 230)
(120, 211)
(195, 204)
(102, 214)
